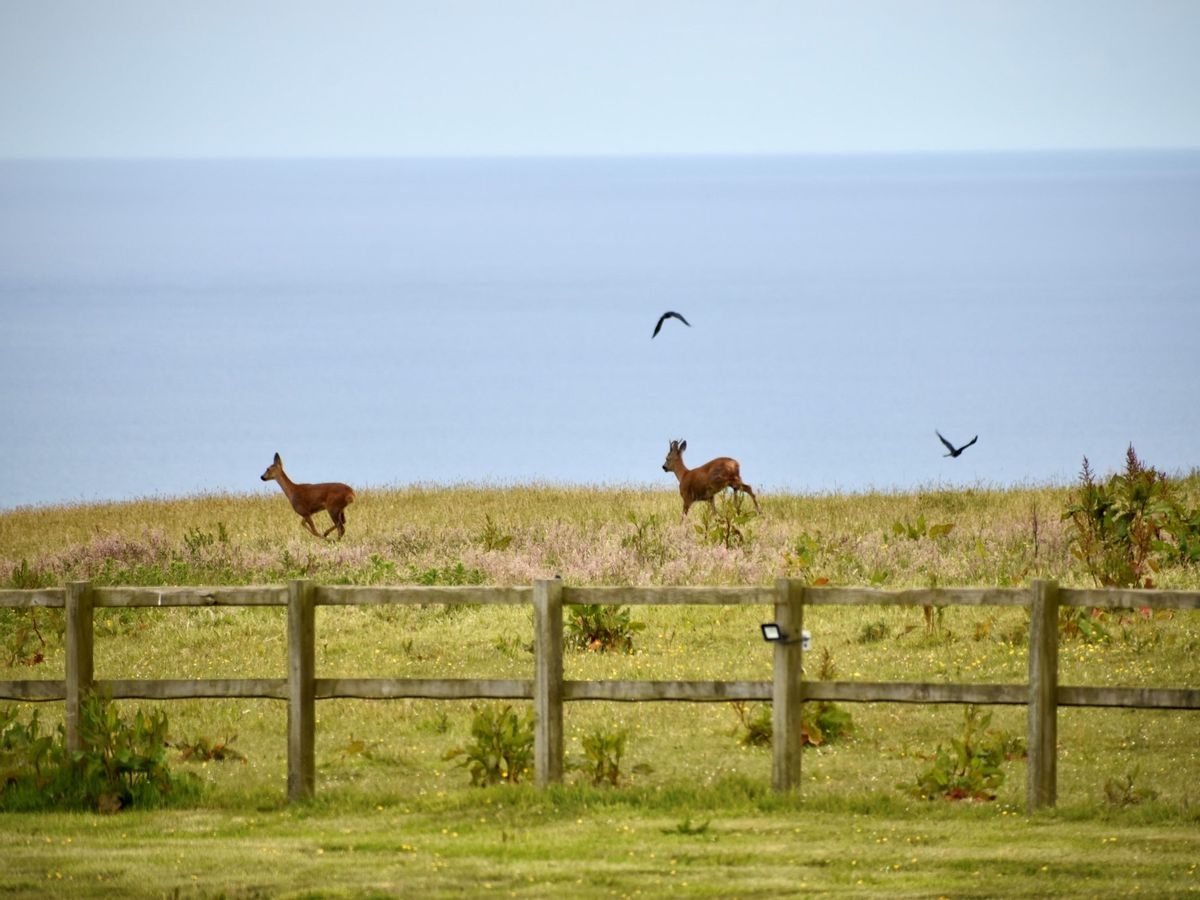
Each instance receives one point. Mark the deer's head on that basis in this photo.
(674, 455)
(273, 469)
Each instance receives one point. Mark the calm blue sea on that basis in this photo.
(166, 326)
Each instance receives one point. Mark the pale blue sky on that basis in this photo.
(146, 78)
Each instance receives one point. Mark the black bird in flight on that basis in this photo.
(664, 317)
(949, 446)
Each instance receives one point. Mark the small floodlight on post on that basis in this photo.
(772, 633)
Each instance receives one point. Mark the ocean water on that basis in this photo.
(166, 326)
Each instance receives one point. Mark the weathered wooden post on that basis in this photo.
(787, 701)
(80, 664)
(1042, 777)
(547, 682)
(301, 779)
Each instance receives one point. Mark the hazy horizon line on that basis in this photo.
(618, 155)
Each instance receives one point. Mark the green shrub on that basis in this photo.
(825, 721)
(873, 632)
(1126, 528)
(24, 577)
(27, 759)
(203, 749)
(914, 531)
(1084, 624)
(757, 728)
(1184, 526)
(971, 767)
(802, 557)
(591, 626)
(1121, 792)
(687, 828)
(123, 763)
(603, 750)
(821, 721)
(726, 523)
(196, 540)
(647, 540)
(493, 537)
(454, 575)
(23, 634)
(501, 749)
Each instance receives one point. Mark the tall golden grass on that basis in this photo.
(590, 535)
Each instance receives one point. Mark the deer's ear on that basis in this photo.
(277, 459)
(682, 446)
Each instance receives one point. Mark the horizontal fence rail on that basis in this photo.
(547, 688)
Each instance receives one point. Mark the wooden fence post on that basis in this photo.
(787, 701)
(547, 682)
(80, 662)
(302, 714)
(1042, 777)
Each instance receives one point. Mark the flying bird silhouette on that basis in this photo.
(664, 317)
(955, 451)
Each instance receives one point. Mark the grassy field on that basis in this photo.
(693, 814)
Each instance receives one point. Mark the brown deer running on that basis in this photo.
(307, 499)
(706, 481)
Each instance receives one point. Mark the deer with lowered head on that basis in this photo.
(307, 499)
(706, 481)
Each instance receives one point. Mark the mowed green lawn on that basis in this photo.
(694, 814)
(583, 843)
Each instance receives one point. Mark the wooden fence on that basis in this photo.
(548, 690)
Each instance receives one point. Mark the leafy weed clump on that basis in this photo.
(756, 727)
(971, 768)
(647, 541)
(603, 751)
(122, 764)
(1120, 792)
(874, 632)
(1127, 527)
(23, 634)
(599, 627)
(454, 575)
(726, 523)
(914, 531)
(203, 749)
(821, 721)
(493, 537)
(501, 747)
